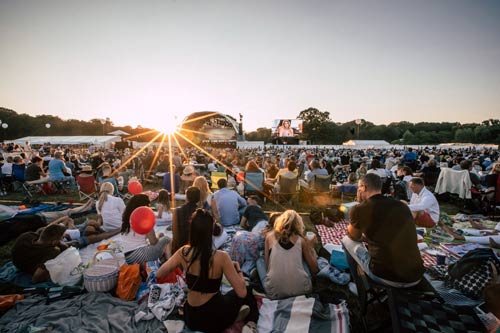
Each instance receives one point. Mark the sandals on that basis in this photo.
(244, 311)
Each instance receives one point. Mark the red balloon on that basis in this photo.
(134, 187)
(142, 220)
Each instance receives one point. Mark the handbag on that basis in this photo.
(129, 280)
(66, 269)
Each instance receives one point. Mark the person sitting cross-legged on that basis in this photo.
(206, 308)
(423, 204)
(227, 205)
(392, 257)
(290, 258)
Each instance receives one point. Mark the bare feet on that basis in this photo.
(494, 244)
(452, 233)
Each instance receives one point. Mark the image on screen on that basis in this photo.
(286, 128)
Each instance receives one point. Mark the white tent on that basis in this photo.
(98, 140)
(118, 132)
(366, 143)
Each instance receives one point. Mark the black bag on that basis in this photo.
(473, 272)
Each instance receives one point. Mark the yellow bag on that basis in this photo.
(129, 280)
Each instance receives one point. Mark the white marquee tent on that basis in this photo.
(367, 143)
(98, 140)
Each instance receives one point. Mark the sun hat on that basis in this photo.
(188, 170)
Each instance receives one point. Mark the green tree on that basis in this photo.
(408, 138)
(312, 120)
(261, 134)
(464, 135)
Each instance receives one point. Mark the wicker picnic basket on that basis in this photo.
(102, 275)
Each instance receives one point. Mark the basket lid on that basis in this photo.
(103, 267)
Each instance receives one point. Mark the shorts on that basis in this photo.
(424, 220)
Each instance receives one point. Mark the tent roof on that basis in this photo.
(366, 143)
(118, 132)
(69, 140)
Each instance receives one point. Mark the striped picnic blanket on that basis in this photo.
(303, 314)
(334, 235)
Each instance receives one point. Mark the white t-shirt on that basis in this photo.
(132, 241)
(164, 219)
(111, 212)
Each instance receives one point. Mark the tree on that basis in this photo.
(312, 120)
(261, 134)
(408, 137)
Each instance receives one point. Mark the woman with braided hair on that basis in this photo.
(290, 258)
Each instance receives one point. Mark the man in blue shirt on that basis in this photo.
(167, 181)
(58, 170)
(228, 204)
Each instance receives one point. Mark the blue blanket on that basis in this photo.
(10, 274)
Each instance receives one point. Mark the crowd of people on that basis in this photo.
(275, 247)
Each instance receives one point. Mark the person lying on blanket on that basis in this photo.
(16, 224)
(478, 234)
(32, 249)
(206, 308)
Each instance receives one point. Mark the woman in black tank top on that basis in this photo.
(206, 308)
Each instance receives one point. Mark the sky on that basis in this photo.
(144, 62)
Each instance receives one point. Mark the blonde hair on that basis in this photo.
(288, 224)
(201, 183)
(106, 189)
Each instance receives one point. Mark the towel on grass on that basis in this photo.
(303, 314)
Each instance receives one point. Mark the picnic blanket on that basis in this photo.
(92, 312)
(334, 235)
(302, 314)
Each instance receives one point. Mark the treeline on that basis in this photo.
(21, 125)
(319, 128)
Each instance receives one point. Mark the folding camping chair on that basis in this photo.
(87, 187)
(254, 184)
(319, 191)
(35, 186)
(214, 178)
(288, 190)
(348, 191)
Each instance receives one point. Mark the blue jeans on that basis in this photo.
(360, 254)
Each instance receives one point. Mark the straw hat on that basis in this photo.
(188, 170)
(188, 173)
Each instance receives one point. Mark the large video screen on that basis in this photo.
(286, 128)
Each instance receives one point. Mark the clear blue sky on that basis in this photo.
(141, 62)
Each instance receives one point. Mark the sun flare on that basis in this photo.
(168, 126)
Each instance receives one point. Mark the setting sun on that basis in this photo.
(168, 126)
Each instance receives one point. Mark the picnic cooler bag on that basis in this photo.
(102, 275)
